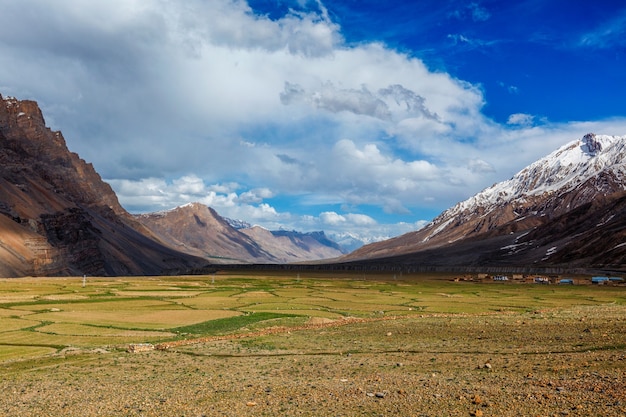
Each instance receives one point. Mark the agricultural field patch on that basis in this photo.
(32, 338)
(94, 304)
(16, 298)
(9, 353)
(5, 312)
(64, 297)
(169, 293)
(213, 301)
(136, 319)
(9, 324)
(300, 312)
(74, 329)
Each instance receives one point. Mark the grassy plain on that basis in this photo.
(299, 344)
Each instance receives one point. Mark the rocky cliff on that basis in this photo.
(57, 216)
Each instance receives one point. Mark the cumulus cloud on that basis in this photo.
(333, 219)
(327, 97)
(479, 166)
(233, 24)
(255, 196)
(209, 101)
(521, 119)
(360, 101)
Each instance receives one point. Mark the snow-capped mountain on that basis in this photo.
(560, 172)
(585, 174)
(349, 241)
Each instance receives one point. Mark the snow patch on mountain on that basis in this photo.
(438, 229)
(237, 224)
(560, 171)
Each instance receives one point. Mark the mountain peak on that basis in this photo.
(62, 218)
(559, 171)
(581, 173)
(591, 145)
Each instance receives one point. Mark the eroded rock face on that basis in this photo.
(33, 151)
(57, 216)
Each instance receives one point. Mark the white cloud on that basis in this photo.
(255, 196)
(478, 166)
(207, 101)
(521, 119)
(224, 188)
(333, 219)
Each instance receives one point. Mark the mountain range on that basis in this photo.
(200, 230)
(566, 210)
(58, 217)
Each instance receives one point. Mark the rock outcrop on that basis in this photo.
(57, 216)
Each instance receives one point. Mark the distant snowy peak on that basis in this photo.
(560, 171)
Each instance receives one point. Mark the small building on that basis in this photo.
(599, 280)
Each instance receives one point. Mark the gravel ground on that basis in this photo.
(565, 363)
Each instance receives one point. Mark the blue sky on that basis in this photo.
(362, 117)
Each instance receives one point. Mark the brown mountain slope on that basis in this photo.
(198, 229)
(483, 222)
(57, 216)
(591, 237)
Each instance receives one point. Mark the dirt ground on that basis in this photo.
(543, 363)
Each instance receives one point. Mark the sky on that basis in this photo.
(356, 117)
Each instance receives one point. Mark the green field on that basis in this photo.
(253, 344)
(40, 316)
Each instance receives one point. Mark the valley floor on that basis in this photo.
(550, 362)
